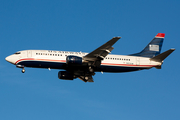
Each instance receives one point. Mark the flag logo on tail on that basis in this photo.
(154, 47)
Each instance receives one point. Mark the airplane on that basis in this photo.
(84, 65)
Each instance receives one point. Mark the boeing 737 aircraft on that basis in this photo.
(84, 65)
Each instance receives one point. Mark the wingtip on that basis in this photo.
(117, 37)
(173, 49)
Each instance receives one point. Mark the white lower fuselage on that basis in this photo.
(57, 60)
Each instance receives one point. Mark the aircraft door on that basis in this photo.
(29, 52)
(137, 61)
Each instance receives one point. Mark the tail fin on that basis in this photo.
(153, 48)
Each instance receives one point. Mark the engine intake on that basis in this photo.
(73, 60)
(65, 75)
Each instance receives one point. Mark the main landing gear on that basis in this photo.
(91, 70)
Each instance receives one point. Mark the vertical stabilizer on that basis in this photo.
(153, 48)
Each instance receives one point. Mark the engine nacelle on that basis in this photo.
(65, 75)
(73, 60)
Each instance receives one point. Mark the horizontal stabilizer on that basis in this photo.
(162, 56)
(158, 67)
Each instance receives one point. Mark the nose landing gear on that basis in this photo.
(23, 70)
(21, 66)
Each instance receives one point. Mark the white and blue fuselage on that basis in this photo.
(84, 65)
(57, 60)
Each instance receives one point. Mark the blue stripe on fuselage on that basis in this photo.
(108, 68)
(43, 64)
(59, 65)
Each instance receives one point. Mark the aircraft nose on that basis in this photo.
(9, 59)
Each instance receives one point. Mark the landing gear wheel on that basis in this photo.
(23, 70)
(86, 78)
(91, 70)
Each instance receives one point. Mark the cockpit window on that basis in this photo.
(17, 53)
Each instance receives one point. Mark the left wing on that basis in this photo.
(94, 58)
(101, 52)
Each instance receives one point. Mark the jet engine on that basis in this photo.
(65, 75)
(73, 60)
